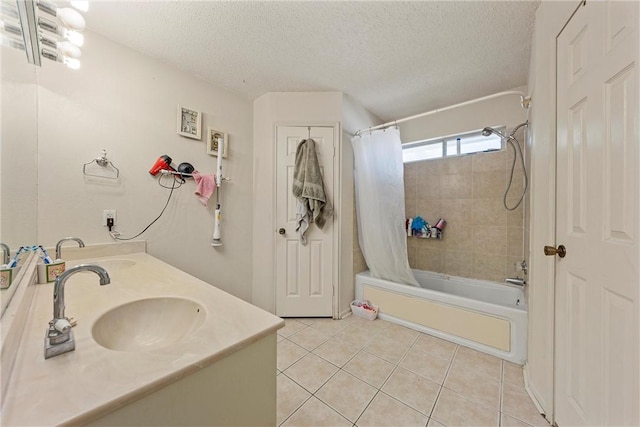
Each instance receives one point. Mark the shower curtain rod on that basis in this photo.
(524, 101)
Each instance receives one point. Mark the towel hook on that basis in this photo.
(309, 132)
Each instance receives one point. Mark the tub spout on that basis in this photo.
(516, 281)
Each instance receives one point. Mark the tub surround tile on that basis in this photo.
(490, 184)
(457, 211)
(412, 390)
(347, 395)
(429, 209)
(387, 411)
(484, 162)
(428, 188)
(474, 385)
(458, 263)
(456, 186)
(490, 267)
(314, 413)
(369, 368)
(515, 240)
(515, 218)
(311, 372)
(489, 212)
(456, 165)
(453, 409)
(490, 240)
(290, 397)
(430, 259)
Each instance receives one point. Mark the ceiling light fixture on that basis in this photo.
(58, 39)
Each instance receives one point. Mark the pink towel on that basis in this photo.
(205, 186)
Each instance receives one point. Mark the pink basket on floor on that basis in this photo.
(358, 310)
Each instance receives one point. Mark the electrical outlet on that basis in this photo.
(108, 214)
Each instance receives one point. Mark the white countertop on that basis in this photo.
(85, 384)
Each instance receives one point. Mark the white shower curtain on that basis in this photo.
(380, 204)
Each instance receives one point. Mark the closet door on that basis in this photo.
(597, 280)
(304, 273)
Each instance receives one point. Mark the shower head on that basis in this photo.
(488, 131)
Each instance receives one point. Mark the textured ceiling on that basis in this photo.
(394, 58)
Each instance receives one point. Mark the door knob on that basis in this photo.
(561, 251)
(282, 231)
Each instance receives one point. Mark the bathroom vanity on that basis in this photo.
(154, 347)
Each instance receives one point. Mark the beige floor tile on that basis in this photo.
(336, 351)
(474, 385)
(290, 397)
(400, 333)
(482, 362)
(435, 346)
(507, 421)
(369, 368)
(387, 411)
(346, 394)
(434, 423)
(314, 413)
(291, 326)
(311, 372)
(412, 389)
(454, 410)
(517, 403)
(329, 326)
(279, 337)
(355, 335)
(288, 354)
(387, 348)
(430, 367)
(512, 374)
(307, 320)
(308, 338)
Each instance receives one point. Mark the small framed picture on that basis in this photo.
(212, 142)
(189, 123)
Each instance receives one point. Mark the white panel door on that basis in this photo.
(597, 282)
(304, 273)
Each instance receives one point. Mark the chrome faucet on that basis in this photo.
(59, 244)
(59, 337)
(7, 253)
(516, 281)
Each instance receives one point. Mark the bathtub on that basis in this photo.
(486, 316)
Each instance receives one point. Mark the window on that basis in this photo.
(454, 145)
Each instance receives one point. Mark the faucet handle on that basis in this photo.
(62, 325)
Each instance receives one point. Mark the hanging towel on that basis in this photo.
(308, 189)
(205, 186)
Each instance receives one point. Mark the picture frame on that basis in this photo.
(212, 142)
(189, 122)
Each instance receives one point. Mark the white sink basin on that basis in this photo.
(148, 324)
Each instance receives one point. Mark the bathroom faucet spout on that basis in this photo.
(61, 241)
(59, 338)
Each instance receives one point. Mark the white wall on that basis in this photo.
(18, 150)
(126, 102)
(550, 18)
(270, 110)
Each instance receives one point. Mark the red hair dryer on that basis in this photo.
(163, 163)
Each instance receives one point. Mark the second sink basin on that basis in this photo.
(148, 324)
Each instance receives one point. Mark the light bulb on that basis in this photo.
(81, 5)
(69, 49)
(71, 18)
(73, 36)
(72, 63)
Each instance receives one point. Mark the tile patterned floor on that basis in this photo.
(356, 372)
